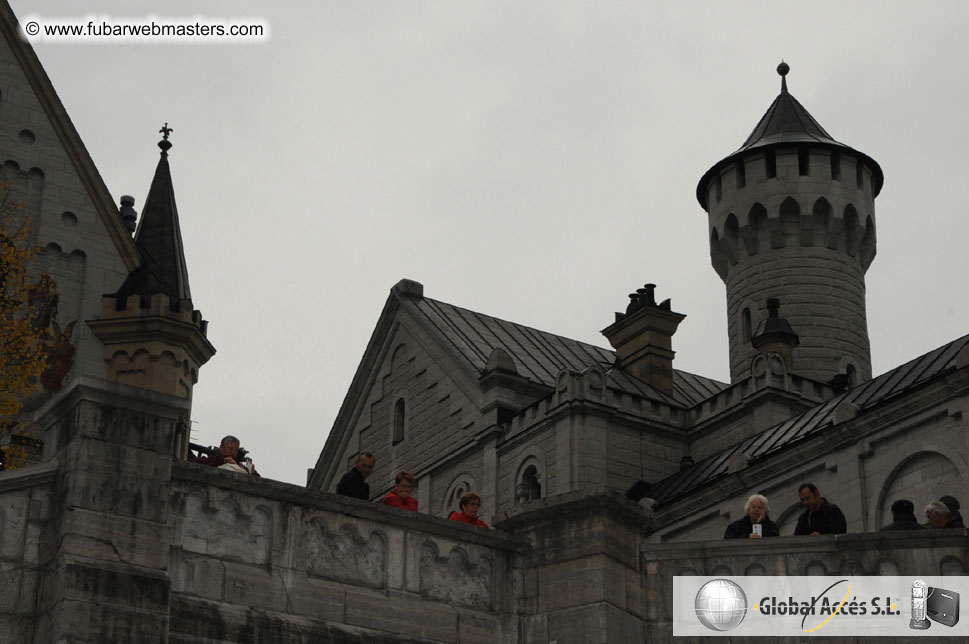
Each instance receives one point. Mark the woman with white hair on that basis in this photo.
(755, 523)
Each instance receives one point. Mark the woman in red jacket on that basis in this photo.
(470, 504)
(402, 494)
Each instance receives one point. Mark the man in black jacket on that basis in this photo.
(755, 514)
(903, 517)
(955, 517)
(353, 482)
(821, 516)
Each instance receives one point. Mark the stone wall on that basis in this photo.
(111, 540)
(911, 447)
(257, 560)
(40, 158)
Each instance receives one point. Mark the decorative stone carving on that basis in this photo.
(345, 555)
(721, 571)
(218, 526)
(455, 579)
(755, 570)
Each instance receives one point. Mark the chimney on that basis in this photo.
(643, 339)
(128, 214)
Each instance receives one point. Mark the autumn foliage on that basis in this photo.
(21, 354)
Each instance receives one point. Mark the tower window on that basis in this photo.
(748, 332)
(529, 488)
(803, 161)
(741, 171)
(770, 164)
(399, 421)
(859, 174)
(836, 165)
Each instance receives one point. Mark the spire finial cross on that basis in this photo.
(165, 131)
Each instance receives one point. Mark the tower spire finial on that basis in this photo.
(783, 69)
(165, 144)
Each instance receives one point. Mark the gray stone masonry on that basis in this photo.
(913, 447)
(806, 240)
(112, 541)
(78, 251)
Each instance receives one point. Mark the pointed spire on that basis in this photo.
(787, 122)
(159, 238)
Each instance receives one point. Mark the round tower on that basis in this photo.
(792, 218)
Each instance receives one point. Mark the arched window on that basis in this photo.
(529, 488)
(462, 484)
(399, 421)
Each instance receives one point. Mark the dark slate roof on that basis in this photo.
(159, 240)
(540, 356)
(787, 122)
(874, 392)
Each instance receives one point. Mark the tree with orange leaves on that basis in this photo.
(21, 355)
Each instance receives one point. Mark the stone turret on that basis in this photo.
(152, 335)
(792, 218)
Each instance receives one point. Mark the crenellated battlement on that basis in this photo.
(752, 212)
(153, 341)
(156, 304)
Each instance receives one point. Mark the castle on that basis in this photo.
(468, 401)
(606, 473)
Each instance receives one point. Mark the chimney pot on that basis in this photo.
(643, 339)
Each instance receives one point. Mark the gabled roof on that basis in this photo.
(540, 356)
(471, 338)
(787, 122)
(159, 240)
(68, 136)
(890, 384)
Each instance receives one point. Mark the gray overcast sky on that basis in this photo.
(535, 161)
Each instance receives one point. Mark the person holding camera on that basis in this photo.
(754, 524)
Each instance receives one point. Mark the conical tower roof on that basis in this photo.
(787, 122)
(159, 239)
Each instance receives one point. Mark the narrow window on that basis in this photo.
(859, 175)
(399, 421)
(748, 332)
(741, 171)
(770, 162)
(852, 376)
(529, 489)
(836, 165)
(803, 161)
